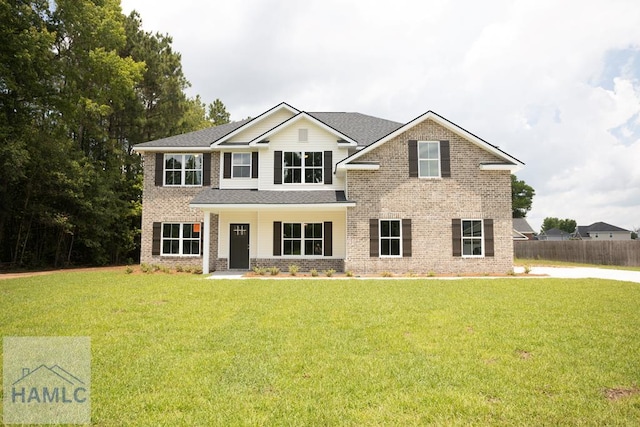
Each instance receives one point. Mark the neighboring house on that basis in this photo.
(522, 230)
(601, 231)
(342, 191)
(554, 234)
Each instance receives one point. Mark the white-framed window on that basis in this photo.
(472, 238)
(181, 239)
(183, 170)
(429, 159)
(302, 239)
(390, 237)
(297, 162)
(241, 165)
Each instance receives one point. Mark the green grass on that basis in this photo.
(181, 350)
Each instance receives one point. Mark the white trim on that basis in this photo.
(359, 167)
(389, 238)
(250, 123)
(302, 240)
(462, 238)
(181, 239)
(183, 170)
(250, 165)
(499, 167)
(303, 168)
(297, 118)
(444, 123)
(206, 242)
(439, 159)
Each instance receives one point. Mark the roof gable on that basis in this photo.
(509, 161)
(283, 107)
(297, 118)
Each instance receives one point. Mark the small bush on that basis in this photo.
(128, 270)
(197, 270)
(179, 269)
(145, 268)
(314, 272)
(387, 274)
(274, 271)
(155, 267)
(293, 269)
(260, 271)
(349, 273)
(431, 274)
(527, 269)
(329, 272)
(164, 269)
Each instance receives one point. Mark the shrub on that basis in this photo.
(274, 271)
(155, 267)
(386, 274)
(179, 269)
(260, 271)
(197, 270)
(129, 269)
(329, 272)
(314, 272)
(144, 267)
(349, 273)
(527, 269)
(431, 274)
(293, 269)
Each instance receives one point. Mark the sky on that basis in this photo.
(556, 84)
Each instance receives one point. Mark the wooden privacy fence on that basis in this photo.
(604, 252)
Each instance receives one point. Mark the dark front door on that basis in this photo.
(239, 246)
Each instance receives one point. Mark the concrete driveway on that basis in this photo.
(584, 273)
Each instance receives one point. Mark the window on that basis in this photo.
(241, 165)
(293, 167)
(181, 239)
(302, 239)
(429, 159)
(183, 169)
(390, 237)
(472, 238)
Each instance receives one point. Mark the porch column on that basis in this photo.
(206, 242)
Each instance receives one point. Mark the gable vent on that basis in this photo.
(303, 135)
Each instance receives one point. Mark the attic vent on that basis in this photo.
(303, 135)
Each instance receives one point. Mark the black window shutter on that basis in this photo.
(413, 158)
(488, 238)
(277, 167)
(328, 238)
(328, 167)
(206, 169)
(254, 164)
(157, 238)
(159, 169)
(374, 245)
(226, 166)
(445, 159)
(277, 238)
(406, 237)
(456, 237)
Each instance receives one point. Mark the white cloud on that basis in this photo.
(556, 84)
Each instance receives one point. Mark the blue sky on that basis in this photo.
(556, 84)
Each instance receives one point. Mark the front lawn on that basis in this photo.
(171, 349)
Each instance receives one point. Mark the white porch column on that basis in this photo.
(206, 242)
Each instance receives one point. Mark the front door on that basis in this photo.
(239, 246)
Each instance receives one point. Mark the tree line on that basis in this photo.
(80, 84)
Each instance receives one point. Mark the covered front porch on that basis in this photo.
(243, 229)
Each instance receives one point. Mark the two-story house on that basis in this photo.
(342, 191)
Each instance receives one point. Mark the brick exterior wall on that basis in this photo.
(431, 204)
(171, 204)
(303, 264)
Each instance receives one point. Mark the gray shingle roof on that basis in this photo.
(360, 127)
(521, 225)
(215, 196)
(198, 138)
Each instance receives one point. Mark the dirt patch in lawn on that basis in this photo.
(618, 393)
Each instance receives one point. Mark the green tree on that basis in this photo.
(218, 114)
(521, 197)
(566, 225)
